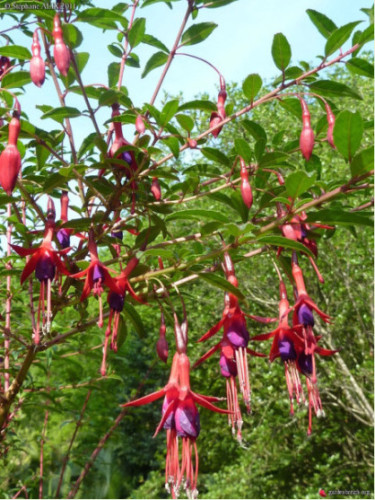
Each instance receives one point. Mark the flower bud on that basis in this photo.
(37, 66)
(140, 125)
(155, 189)
(306, 142)
(60, 50)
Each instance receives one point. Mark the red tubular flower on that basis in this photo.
(306, 140)
(46, 263)
(37, 66)
(180, 418)
(116, 300)
(246, 192)
(10, 158)
(126, 157)
(96, 275)
(303, 297)
(60, 50)
(217, 117)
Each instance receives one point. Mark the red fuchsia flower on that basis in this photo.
(162, 344)
(97, 275)
(116, 300)
(10, 158)
(180, 418)
(126, 157)
(220, 115)
(304, 307)
(60, 50)
(46, 263)
(306, 140)
(37, 66)
(233, 350)
(246, 192)
(63, 234)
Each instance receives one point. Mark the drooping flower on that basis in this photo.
(233, 350)
(97, 275)
(116, 300)
(10, 158)
(64, 233)
(47, 264)
(180, 419)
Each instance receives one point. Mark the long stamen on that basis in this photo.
(105, 347)
(100, 321)
(49, 314)
(41, 301)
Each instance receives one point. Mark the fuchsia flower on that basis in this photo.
(116, 300)
(296, 349)
(96, 275)
(46, 263)
(180, 418)
(233, 350)
(63, 234)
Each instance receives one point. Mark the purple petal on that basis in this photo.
(286, 349)
(116, 301)
(187, 419)
(228, 367)
(97, 273)
(305, 316)
(237, 333)
(304, 363)
(45, 269)
(63, 238)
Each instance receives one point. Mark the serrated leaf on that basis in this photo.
(216, 155)
(223, 284)
(298, 182)
(323, 23)
(329, 88)
(362, 162)
(251, 86)
(339, 37)
(137, 31)
(156, 60)
(16, 51)
(347, 133)
(197, 33)
(281, 51)
(339, 217)
(196, 214)
(360, 67)
(280, 241)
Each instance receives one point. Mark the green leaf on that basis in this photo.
(292, 105)
(214, 4)
(185, 122)
(156, 60)
(113, 74)
(219, 282)
(154, 42)
(360, 67)
(243, 149)
(324, 25)
(168, 111)
(339, 37)
(15, 80)
(290, 73)
(72, 36)
(347, 133)
(16, 51)
(115, 50)
(197, 33)
(131, 313)
(274, 158)
(339, 217)
(102, 18)
(173, 145)
(59, 114)
(280, 241)
(137, 31)
(281, 51)
(256, 130)
(195, 214)
(201, 104)
(362, 162)
(150, 2)
(329, 88)
(216, 155)
(298, 182)
(367, 35)
(251, 86)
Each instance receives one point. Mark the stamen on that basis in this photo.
(100, 321)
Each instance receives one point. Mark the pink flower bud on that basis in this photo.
(10, 158)
(60, 50)
(155, 189)
(306, 142)
(140, 125)
(37, 66)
